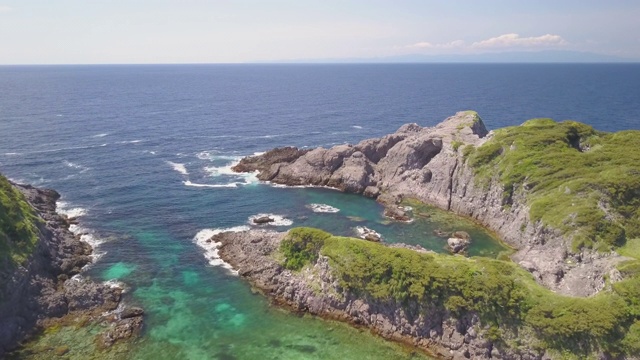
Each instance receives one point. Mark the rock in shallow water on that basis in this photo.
(263, 220)
(458, 245)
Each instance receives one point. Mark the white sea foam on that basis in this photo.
(278, 220)
(71, 212)
(363, 231)
(178, 167)
(64, 208)
(300, 186)
(357, 127)
(323, 208)
(211, 247)
(231, 185)
(130, 142)
(100, 135)
(12, 154)
(115, 284)
(226, 170)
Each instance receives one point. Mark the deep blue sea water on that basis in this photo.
(142, 153)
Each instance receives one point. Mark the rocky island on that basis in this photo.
(40, 263)
(566, 196)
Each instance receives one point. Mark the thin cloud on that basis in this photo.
(428, 45)
(499, 42)
(5, 9)
(514, 40)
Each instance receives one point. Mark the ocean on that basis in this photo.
(142, 154)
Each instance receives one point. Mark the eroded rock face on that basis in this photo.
(317, 291)
(428, 164)
(45, 288)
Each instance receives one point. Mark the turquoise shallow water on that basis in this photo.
(144, 152)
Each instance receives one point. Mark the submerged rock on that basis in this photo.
(368, 234)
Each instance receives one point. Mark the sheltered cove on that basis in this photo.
(504, 180)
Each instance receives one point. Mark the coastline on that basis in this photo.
(315, 290)
(49, 289)
(431, 165)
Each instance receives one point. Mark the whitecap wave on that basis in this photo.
(202, 239)
(12, 154)
(212, 155)
(100, 135)
(322, 208)
(226, 171)
(356, 127)
(130, 141)
(76, 166)
(231, 185)
(278, 220)
(178, 167)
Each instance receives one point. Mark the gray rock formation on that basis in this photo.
(428, 164)
(316, 290)
(45, 288)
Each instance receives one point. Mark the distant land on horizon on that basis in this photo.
(549, 56)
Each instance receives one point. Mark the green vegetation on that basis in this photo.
(18, 227)
(504, 295)
(580, 181)
(456, 144)
(301, 247)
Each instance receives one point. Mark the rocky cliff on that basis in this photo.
(315, 289)
(42, 286)
(431, 165)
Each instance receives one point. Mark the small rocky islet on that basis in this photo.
(564, 195)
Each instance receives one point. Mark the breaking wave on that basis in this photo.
(203, 240)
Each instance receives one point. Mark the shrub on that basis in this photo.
(301, 247)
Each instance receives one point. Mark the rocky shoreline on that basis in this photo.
(48, 288)
(429, 164)
(315, 290)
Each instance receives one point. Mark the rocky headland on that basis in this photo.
(564, 195)
(435, 165)
(317, 291)
(40, 281)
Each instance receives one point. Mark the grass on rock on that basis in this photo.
(580, 181)
(504, 295)
(18, 227)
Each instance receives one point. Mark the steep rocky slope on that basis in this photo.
(38, 262)
(445, 166)
(450, 306)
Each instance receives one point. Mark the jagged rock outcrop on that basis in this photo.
(316, 290)
(429, 164)
(45, 288)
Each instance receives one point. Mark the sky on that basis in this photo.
(226, 31)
